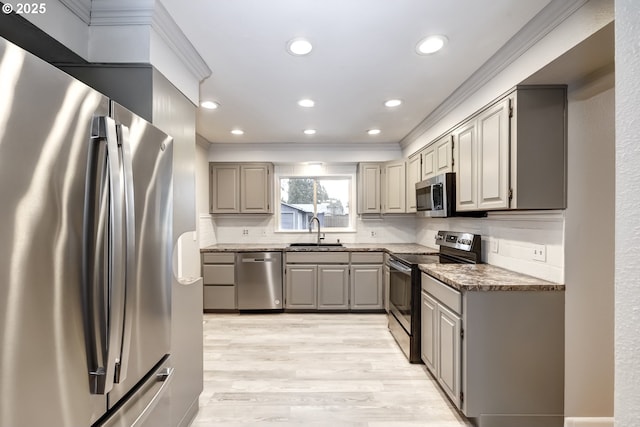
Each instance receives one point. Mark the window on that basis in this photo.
(303, 197)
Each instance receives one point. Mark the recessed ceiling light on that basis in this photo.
(373, 131)
(237, 132)
(309, 131)
(393, 103)
(299, 46)
(306, 103)
(209, 105)
(431, 44)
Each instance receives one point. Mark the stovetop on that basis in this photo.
(413, 259)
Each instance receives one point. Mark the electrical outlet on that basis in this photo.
(245, 232)
(373, 234)
(539, 253)
(493, 245)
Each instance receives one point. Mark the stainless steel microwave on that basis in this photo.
(436, 197)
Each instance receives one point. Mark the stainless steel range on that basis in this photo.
(404, 285)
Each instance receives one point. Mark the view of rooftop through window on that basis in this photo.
(302, 198)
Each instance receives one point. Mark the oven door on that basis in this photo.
(400, 293)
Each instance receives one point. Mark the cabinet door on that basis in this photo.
(366, 287)
(301, 286)
(429, 332)
(493, 157)
(256, 186)
(448, 355)
(413, 176)
(444, 155)
(333, 287)
(395, 187)
(466, 167)
(224, 188)
(429, 162)
(369, 188)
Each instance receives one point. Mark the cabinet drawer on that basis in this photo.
(367, 257)
(219, 274)
(318, 257)
(219, 297)
(445, 294)
(218, 258)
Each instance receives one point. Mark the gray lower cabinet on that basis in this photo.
(333, 292)
(218, 272)
(441, 337)
(366, 284)
(498, 355)
(366, 287)
(301, 286)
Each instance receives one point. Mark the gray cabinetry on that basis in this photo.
(394, 192)
(333, 292)
(240, 187)
(498, 355)
(500, 152)
(301, 287)
(440, 335)
(366, 281)
(317, 281)
(218, 272)
(369, 188)
(334, 280)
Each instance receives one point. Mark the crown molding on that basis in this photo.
(80, 8)
(153, 14)
(541, 25)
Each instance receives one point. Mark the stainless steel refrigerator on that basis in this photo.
(85, 254)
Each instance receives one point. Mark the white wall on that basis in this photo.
(304, 152)
(509, 239)
(589, 261)
(627, 250)
(583, 23)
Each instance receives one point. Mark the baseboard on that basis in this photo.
(588, 422)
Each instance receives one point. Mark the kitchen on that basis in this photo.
(589, 392)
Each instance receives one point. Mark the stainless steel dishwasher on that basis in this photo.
(259, 280)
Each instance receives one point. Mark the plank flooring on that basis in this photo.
(312, 370)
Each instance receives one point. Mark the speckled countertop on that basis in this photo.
(464, 277)
(397, 248)
(485, 277)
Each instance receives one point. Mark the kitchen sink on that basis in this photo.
(321, 245)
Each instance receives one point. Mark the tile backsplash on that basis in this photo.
(527, 242)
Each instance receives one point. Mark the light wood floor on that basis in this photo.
(311, 370)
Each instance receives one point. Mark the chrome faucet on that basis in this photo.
(311, 227)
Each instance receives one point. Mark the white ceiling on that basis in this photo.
(364, 54)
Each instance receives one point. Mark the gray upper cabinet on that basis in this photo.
(224, 188)
(414, 175)
(437, 157)
(512, 154)
(394, 197)
(255, 187)
(369, 188)
(466, 154)
(240, 187)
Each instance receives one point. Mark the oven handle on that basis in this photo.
(400, 267)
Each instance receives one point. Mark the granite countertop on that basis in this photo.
(398, 248)
(486, 277)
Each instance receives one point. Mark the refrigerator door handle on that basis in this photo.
(103, 259)
(130, 248)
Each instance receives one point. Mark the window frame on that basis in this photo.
(351, 176)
